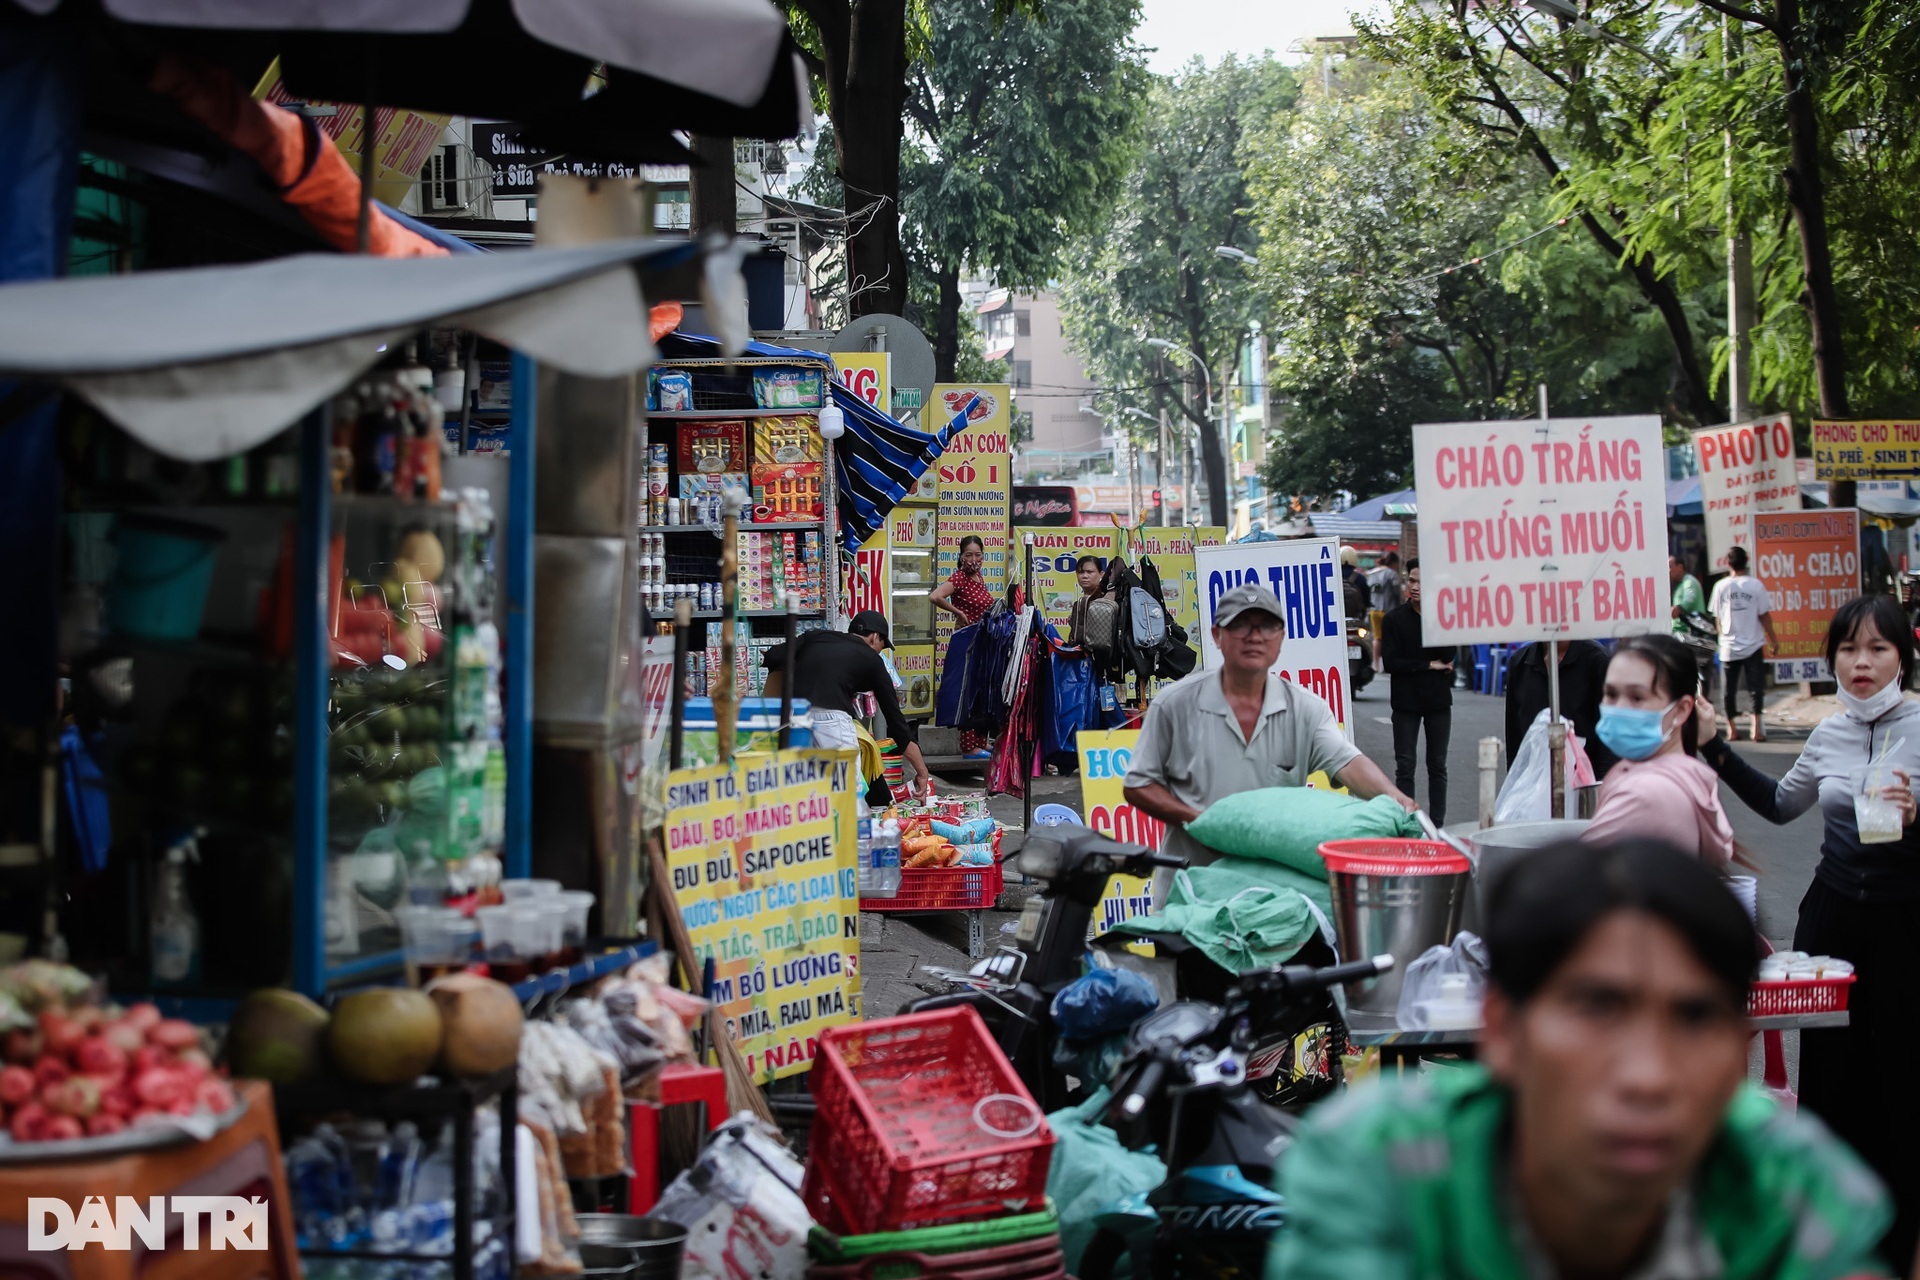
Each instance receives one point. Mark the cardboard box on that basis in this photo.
(712, 448)
(789, 492)
(786, 441)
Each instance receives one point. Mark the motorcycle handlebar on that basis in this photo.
(1174, 860)
(1354, 971)
(1146, 1084)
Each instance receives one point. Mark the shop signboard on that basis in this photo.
(868, 375)
(517, 165)
(762, 856)
(1810, 561)
(1878, 450)
(1744, 469)
(914, 662)
(1305, 574)
(974, 478)
(403, 141)
(1541, 528)
(1104, 756)
(1055, 551)
(1053, 505)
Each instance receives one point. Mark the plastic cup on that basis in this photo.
(499, 931)
(524, 890)
(1747, 890)
(573, 928)
(1880, 821)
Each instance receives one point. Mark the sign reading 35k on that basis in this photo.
(762, 854)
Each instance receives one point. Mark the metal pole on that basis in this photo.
(786, 671)
(1160, 473)
(1739, 269)
(1556, 734)
(677, 719)
(1489, 779)
(1026, 764)
(726, 693)
(1229, 472)
(1543, 402)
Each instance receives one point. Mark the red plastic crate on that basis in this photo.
(941, 889)
(1821, 995)
(896, 1125)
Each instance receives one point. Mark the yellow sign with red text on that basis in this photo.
(975, 477)
(1104, 757)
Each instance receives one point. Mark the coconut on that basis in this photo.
(387, 1035)
(483, 1023)
(275, 1036)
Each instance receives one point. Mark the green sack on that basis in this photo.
(1229, 876)
(1238, 926)
(1288, 824)
(1090, 1171)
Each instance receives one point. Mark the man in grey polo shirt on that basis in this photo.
(1238, 727)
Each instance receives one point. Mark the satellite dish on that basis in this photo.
(912, 362)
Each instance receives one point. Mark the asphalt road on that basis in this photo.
(894, 949)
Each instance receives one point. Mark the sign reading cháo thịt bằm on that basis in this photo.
(1305, 574)
(764, 864)
(1541, 528)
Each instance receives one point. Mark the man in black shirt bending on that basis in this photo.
(829, 669)
(1422, 696)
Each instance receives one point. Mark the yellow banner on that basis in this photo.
(1055, 552)
(868, 375)
(763, 859)
(1104, 756)
(974, 482)
(1884, 450)
(403, 140)
(915, 664)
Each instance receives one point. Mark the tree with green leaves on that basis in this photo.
(1151, 270)
(1020, 132)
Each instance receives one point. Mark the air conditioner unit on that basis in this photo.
(451, 179)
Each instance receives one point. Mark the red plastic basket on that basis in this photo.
(941, 889)
(1820, 995)
(896, 1126)
(1393, 858)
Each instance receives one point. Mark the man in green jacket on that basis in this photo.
(1689, 601)
(1610, 1132)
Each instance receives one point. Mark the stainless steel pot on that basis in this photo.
(1497, 848)
(1401, 914)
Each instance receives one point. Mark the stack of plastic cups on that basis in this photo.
(573, 928)
(1747, 890)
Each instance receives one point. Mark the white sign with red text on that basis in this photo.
(1305, 574)
(1541, 528)
(1745, 469)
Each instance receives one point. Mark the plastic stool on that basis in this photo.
(1055, 815)
(1497, 670)
(679, 1082)
(241, 1160)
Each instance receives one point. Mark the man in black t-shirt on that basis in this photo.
(1421, 697)
(830, 668)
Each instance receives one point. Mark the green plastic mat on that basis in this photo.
(958, 1237)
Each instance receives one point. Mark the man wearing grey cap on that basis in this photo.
(1239, 727)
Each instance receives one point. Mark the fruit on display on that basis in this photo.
(276, 1035)
(77, 1069)
(482, 1021)
(387, 1035)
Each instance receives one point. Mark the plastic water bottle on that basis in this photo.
(863, 829)
(886, 859)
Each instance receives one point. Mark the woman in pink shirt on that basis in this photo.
(1660, 788)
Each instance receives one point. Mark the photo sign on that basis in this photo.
(762, 855)
(1810, 561)
(1305, 574)
(1745, 469)
(1541, 528)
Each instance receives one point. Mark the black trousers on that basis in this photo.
(1406, 738)
(1754, 668)
(1859, 1078)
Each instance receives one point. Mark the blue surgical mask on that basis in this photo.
(1633, 733)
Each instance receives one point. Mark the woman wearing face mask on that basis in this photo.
(1647, 719)
(1863, 901)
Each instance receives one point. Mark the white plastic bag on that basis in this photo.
(740, 1200)
(1525, 795)
(1426, 991)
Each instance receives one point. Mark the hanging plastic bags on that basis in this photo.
(1526, 795)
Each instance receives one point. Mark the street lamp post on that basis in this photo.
(1206, 383)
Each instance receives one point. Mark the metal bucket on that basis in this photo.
(1393, 896)
(1496, 848)
(625, 1246)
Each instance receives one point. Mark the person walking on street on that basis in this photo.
(1864, 897)
(1647, 719)
(1743, 608)
(1237, 727)
(1421, 697)
(1583, 677)
(966, 596)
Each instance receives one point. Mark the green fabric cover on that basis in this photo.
(1229, 876)
(1240, 923)
(1288, 824)
(1090, 1171)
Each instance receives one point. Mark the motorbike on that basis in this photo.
(1183, 1088)
(1359, 656)
(1294, 1062)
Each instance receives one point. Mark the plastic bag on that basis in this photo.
(1426, 982)
(740, 1200)
(1076, 703)
(1525, 796)
(1288, 824)
(1103, 1002)
(1090, 1171)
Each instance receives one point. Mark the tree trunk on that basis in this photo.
(1806, 193)
(866, 57)
(710, 186)
(946, 332)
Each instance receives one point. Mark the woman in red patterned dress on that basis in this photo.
(966, 597)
